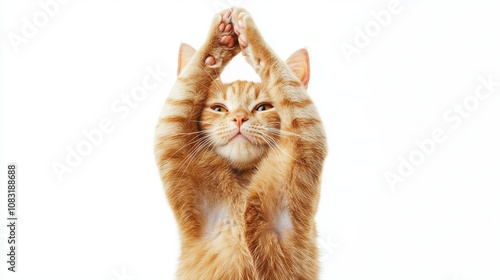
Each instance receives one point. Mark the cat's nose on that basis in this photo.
(240, 119)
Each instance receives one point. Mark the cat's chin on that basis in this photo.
(241, 153)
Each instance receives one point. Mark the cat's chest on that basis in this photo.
(221, 222)
(225, 223)
(243, 178)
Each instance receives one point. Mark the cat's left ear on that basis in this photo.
(298, 62)
(186, 52)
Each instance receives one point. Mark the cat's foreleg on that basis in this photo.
(283, 198)
(272, 70)
(178, 138)
(302, 142)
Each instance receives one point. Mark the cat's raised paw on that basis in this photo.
(226, 28)
(250, 41)
(210, 60)
(223, 38)
(241, 18)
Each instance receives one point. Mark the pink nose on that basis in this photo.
(240, 119)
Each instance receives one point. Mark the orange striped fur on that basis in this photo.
(241, 162)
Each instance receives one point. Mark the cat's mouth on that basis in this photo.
(239, 137)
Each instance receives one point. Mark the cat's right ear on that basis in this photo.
(186, 52)
(298, 62)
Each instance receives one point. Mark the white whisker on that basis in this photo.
(275, 144)
(191, 141)
(218, 87)
(275, 131)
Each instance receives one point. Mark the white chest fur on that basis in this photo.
(217, 219)
(282, 223)
(220, 223)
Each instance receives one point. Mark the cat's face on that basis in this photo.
(240, 122)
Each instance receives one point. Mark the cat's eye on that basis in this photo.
(219, 108)
(263, 107)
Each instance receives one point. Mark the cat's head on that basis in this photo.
(240, 120)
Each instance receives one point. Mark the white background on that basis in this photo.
(109, 219)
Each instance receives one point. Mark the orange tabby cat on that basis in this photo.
(241, 162)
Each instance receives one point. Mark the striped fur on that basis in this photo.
(245, 206)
